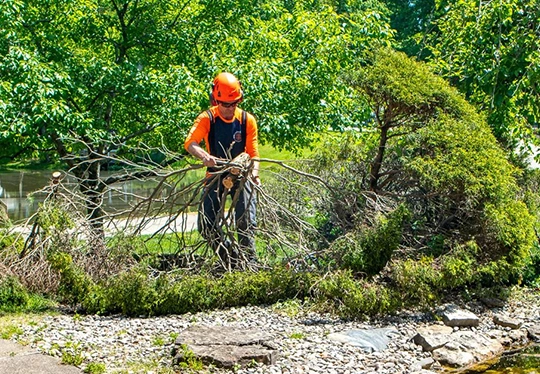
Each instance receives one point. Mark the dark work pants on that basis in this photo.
(215, 228)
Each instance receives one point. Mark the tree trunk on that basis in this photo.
(92, 188)
(377, 162)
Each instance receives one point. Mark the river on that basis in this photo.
(17, 186)
(523, 361)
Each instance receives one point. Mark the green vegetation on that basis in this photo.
(95, 368)
(72, 354)
(8, 331)
(413, 191)
(15, 298)
(297, 335)
(189, 360)
(423, 193)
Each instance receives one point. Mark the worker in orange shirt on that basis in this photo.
(227, 131)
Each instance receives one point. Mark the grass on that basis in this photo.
(8, 331)
(10, 323)
(95, 368)
(290, 308)
(298, 335)
(268, 151)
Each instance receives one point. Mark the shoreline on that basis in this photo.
(143, 345)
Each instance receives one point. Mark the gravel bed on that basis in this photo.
(125, 344)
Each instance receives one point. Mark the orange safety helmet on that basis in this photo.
(226, 88)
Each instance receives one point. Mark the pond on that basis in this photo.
(523, 361)
(17, 186)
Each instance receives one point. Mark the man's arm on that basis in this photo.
(252, 147)
(198, 132)
(196, 150)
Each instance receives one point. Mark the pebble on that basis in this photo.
(118, 341)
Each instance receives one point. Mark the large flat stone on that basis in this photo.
(534, 333)
(505, 321)
(370, 340)
(225, 346)
(432, 337)
(18, 359)
(222, 335)
(466, 348)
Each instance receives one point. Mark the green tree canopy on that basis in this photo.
(113, 73)
(491, 52)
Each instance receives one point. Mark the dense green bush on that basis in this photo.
(427, 149)
(14, 297)
(531, 272)
(74, 284)
(367, 249)
(12, 294)
(341, 293)
(417, 281)
(135, 292)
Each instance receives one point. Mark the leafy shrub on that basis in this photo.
(458, 266)
(13, 295)
(531, 271)
(509, 232)
(369, 249)
(342, 293)
(135, 292)
(417, 281)
(75, 284)
(131, 292)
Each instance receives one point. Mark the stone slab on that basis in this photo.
(18, 359)
(225, 346)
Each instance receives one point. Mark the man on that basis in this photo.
(227, 131)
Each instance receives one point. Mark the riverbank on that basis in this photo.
(303, 338)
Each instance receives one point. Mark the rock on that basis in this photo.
(518, 337)
(455, 317)
(506, 321)
(225, 346)
(370, 340)
(492, 302)
(466, 348)
(432, 337)
(422, 364)
(534, 333)
(453, 358)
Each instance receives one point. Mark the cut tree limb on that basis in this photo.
(239, 164)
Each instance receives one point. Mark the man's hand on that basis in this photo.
(195, 150)
(209, 160)
(256, 180)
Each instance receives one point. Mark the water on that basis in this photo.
(524, 361)
(16, 186)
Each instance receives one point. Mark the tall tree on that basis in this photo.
(86, 79)
(404, 96)
(491, 52)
